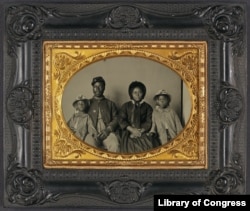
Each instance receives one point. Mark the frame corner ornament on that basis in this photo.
(25, 186)
(224, 23)
(25, 23)
(228, 180)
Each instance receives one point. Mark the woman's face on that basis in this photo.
(162, 101)
(137, 94)
(80, 106)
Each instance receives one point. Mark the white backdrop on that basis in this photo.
(118, 73)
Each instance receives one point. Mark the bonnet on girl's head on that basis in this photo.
(80, 98)
(162, 92)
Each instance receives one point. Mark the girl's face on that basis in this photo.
(137, 94)
(80, 106)
(162, 101)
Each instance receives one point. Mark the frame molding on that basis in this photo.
(27, 26)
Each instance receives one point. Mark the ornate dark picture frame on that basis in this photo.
(26, 26)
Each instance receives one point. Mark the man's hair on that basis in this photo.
(98, 79)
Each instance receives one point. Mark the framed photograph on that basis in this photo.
(106, 104)
(179, 67)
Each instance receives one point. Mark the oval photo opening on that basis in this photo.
(126, 104)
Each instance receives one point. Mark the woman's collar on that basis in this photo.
(137, 102)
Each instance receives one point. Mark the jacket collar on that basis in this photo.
(139, 103)
(98, 98)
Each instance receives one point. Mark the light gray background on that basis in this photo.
(118, 73)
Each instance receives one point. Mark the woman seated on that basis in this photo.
(135, 120)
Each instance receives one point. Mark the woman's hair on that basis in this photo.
(136, 84)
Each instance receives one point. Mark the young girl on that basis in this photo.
(135, 120)
(166, 122)
(80, 122)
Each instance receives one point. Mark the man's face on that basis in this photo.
(98, 89)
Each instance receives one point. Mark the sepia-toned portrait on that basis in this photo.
(125, 103)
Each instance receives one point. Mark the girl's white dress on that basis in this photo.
(166, 123)
(80, 123)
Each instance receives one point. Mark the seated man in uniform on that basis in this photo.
(104, 115)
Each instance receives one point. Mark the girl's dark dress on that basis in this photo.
(139, 116)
